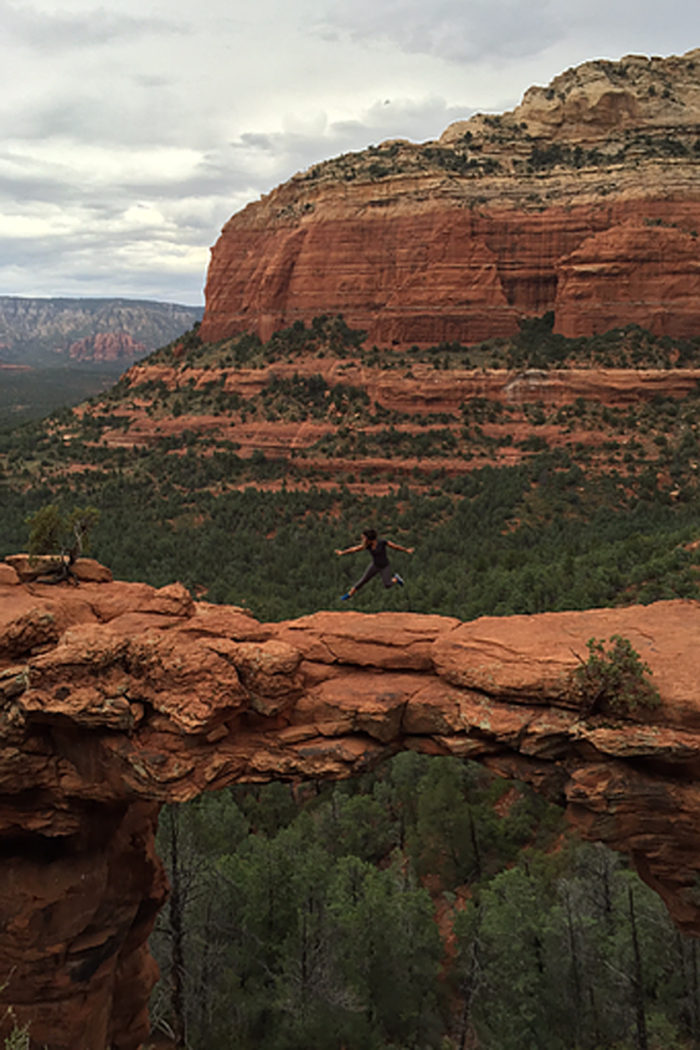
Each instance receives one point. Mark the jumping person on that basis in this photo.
(378, 565)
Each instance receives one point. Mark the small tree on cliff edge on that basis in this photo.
(613, 681)
(66, 535)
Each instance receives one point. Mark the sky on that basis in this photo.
(131, 133)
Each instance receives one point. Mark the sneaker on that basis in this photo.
(398, 579)
(344, 597)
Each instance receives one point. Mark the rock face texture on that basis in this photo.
(106, 346)
(583, 200)
(117, 697)
(419, 395)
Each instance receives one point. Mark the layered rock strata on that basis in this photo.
(117, 697)
(583, 200)
(429, 401)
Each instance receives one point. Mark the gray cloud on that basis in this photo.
(41, 30)
(100, 116)
(99, 266)
(451, 29)
(499, 31)
(133, 235)
(290, 151)
(128, 139)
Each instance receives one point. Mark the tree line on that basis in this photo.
(425, 905)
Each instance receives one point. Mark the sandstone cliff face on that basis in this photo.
(503, 217)
(644, 274)
(106, 346)
(117, 697)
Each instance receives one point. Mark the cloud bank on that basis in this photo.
(129, 138)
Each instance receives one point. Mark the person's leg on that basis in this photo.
(389, 577)
(367, 575)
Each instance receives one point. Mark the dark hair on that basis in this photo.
(370, 534)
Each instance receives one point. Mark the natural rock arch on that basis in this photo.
(118, 697)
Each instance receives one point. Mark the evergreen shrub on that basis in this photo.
(613, 681)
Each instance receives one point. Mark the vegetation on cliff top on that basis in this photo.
(572, 526)
(534, 346)
(543, 133)
(613, 681)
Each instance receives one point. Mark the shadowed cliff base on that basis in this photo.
(118, 697)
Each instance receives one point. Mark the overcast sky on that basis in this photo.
(131, 133)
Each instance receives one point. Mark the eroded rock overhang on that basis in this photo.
(117, 697)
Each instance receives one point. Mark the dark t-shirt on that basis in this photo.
(379, 554)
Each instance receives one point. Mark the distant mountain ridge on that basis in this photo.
(48, 332)
(57, 352)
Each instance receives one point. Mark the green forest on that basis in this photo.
(543, 536)
(34, 393)
(563, 528)
(427, 905)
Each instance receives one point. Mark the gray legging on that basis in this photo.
(387, 574)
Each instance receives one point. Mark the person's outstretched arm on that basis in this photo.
(398, 547)
(349, 550)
